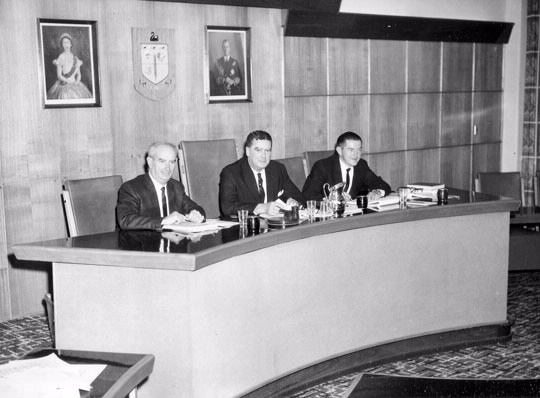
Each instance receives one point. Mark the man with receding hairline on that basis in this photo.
(255, 182)
(155, 199)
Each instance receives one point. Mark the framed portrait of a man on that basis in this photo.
(68, 63)
(227, 66)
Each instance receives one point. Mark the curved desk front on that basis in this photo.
(226, 316)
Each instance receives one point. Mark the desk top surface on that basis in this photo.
(174, 251)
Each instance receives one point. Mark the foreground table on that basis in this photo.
(230, 316)
(124, 372)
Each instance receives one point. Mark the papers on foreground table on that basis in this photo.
(46, 377)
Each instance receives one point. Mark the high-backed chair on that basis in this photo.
(200, 164)
(507, 184)
(296, 169)
(312, 156)
(90, 204)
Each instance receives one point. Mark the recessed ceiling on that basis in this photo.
(321, 18)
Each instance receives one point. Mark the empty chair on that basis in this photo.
(296, 169)
(312, 156)
(201, 163)
(508, 184)
(90, 204)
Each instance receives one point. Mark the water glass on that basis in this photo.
(403, 192)
(326, 209)
(242, 217)
(311, 206)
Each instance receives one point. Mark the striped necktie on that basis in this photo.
(261, 189)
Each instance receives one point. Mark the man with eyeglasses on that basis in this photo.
(155, 199)
(345, 166)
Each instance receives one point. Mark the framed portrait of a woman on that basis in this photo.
(69, 75)
(228, 68)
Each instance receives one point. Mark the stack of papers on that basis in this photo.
(390, 202)
(211, 225)
(46, 377)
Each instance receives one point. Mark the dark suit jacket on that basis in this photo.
(138, 204)
(238, 187)
(328, 170)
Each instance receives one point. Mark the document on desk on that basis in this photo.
(46, 377)
(390, 202)
(210, 225)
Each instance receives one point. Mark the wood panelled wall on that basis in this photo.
(413, 103)
(39, 148)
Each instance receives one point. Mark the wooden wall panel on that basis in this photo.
(487, 116)
(456, 167)
(387, 66)
(305, 92)
(486, 157)
(423, 121)
(39, 147)
(348, 113)
(488, 66)
(305, 125)
(423, 165)
(390, 167)
(456, 118)
(387, 123)
(306, 66)
(349, 77)
(457, 66)
(423, 67)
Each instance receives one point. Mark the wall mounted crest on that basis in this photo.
(154, 67)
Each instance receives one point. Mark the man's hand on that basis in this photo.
(375, 194)
(292, 202)
(195, 216)
(271, 208)
(173, 218)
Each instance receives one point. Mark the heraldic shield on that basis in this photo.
(153, 62)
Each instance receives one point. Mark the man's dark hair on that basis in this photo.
(257, 135)
(349, 135)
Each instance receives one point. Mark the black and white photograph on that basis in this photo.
(228, 64)
(69, 68)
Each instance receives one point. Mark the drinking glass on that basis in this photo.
(311, 206)
(242, 217)
(403, 192)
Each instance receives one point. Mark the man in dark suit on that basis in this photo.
(346, 166)
(255, 182)
(227, 73)
(154, 199)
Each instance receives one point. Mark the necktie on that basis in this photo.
(261, 189)
(164, 202)
(347, 180)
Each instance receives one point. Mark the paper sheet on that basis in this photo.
(46, 377)
(212, 224)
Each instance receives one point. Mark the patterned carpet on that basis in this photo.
(519, 358)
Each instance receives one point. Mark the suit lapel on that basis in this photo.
(150, 192)
(337, 177)
(249, 180)
(272, 183)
